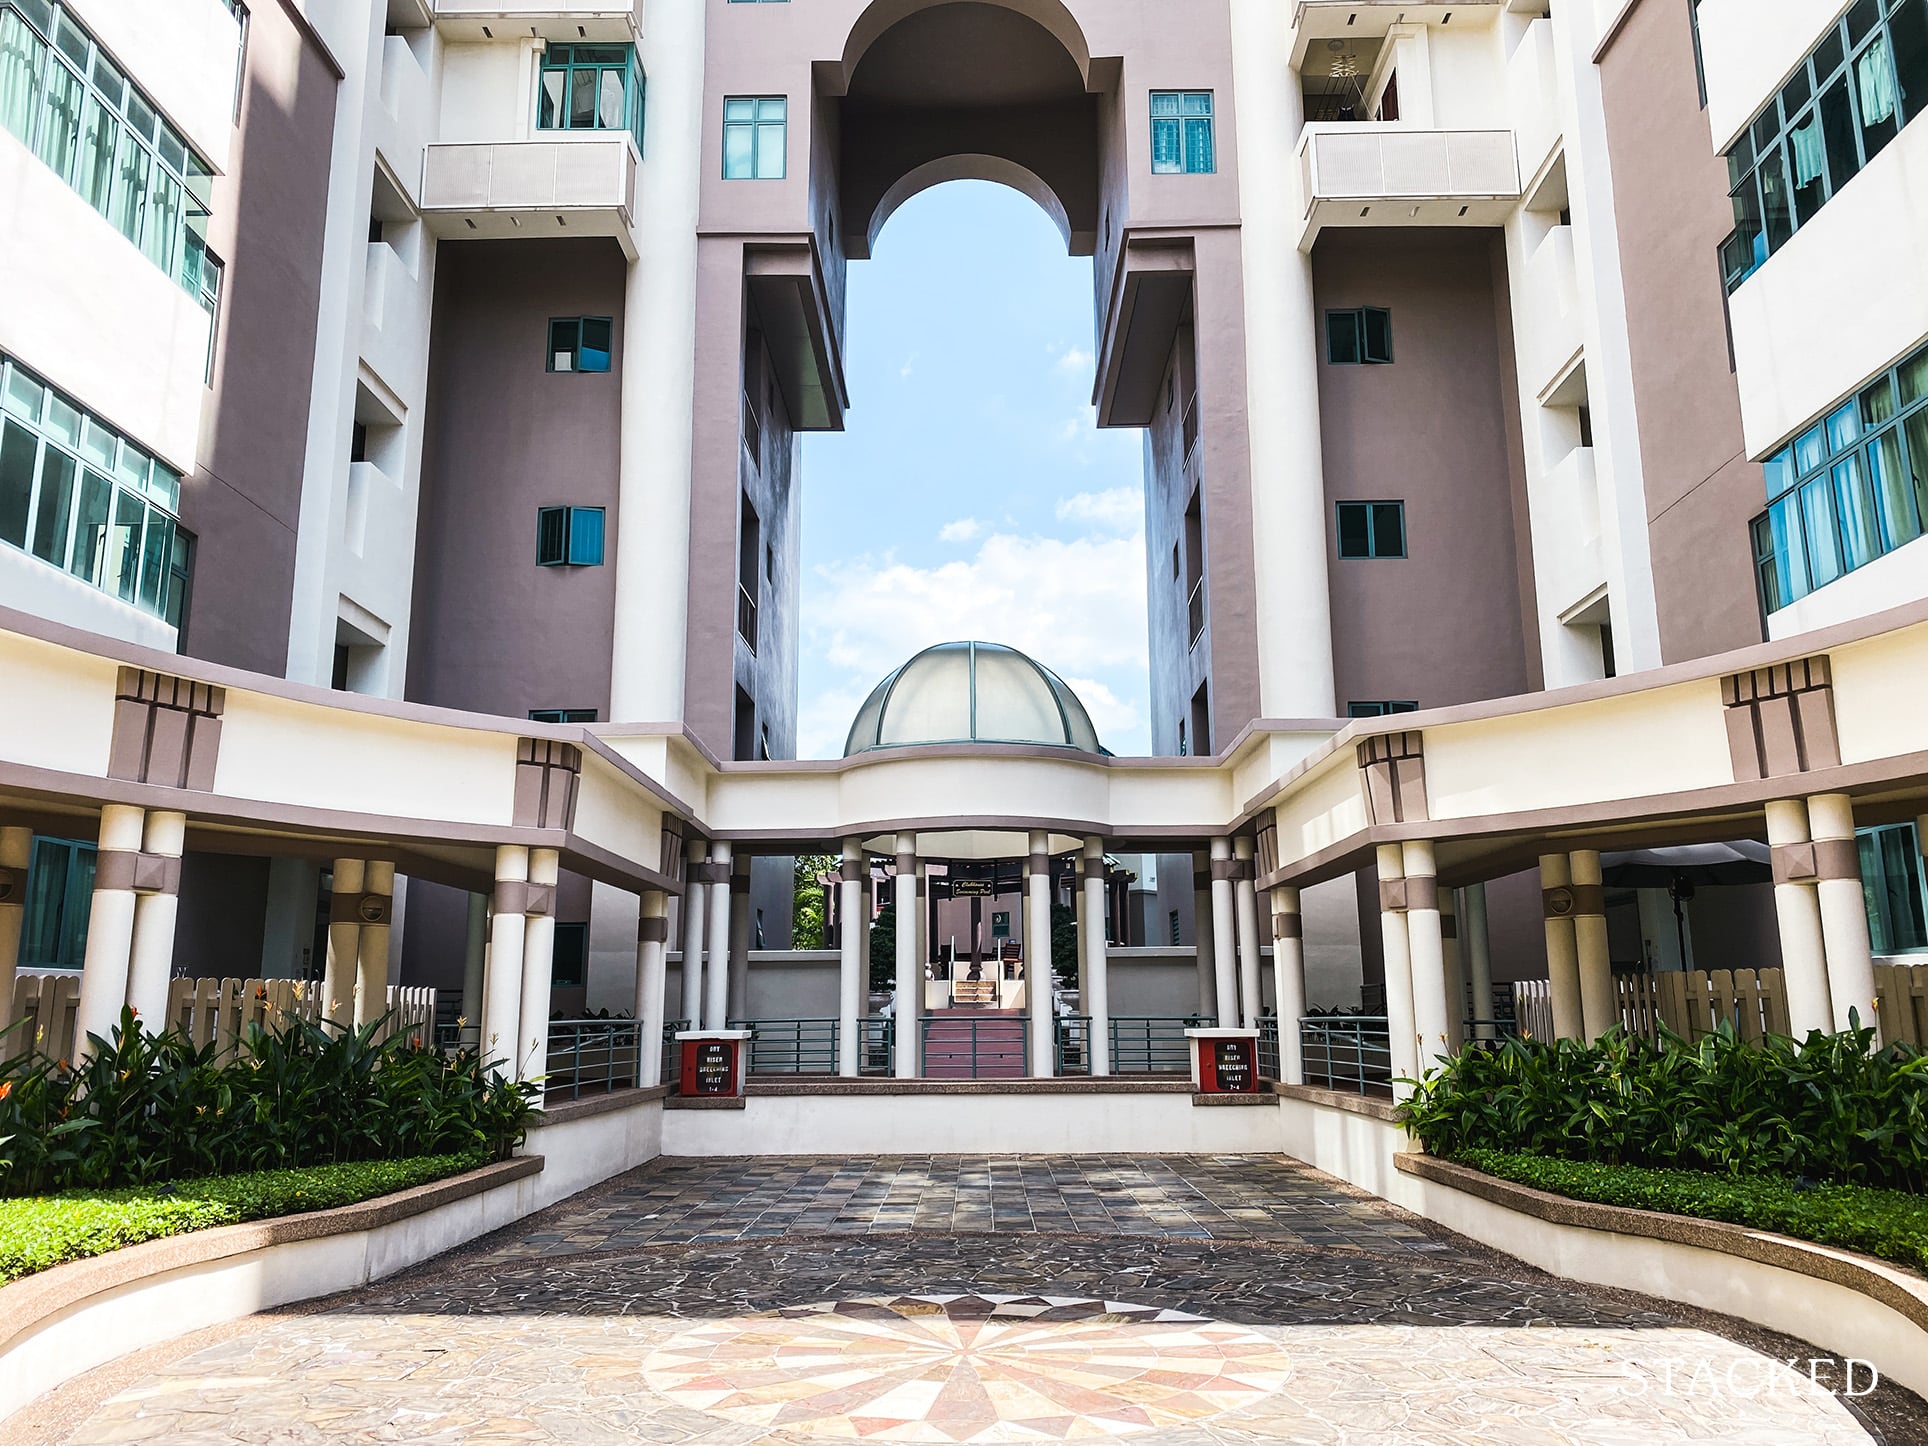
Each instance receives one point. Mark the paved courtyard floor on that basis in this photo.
(1185, 1300)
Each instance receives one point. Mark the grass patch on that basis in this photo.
(1891, 1224)
(40, 1231)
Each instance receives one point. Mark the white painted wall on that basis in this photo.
(1748, 48)
(183, 53)
(1889, 581)
(95, 317)
(1469, 80)
(46, 591)
(482, 92)
(1804, 336)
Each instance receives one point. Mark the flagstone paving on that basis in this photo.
(1190, 1301)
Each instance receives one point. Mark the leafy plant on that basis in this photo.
(808, 924)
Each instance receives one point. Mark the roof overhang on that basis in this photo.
(1151, 293)
(786, 286)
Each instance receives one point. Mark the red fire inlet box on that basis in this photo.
(1224, 1061)
(712, 1063)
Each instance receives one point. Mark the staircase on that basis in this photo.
(974, 993)
(974, 1043)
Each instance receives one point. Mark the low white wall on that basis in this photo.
(1357, 1148)
(578, 1153)
(972, 1124)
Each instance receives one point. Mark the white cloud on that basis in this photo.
(1075, 362)
(1076, 606)
(1117, 509)
(962, 530)
(910, 363)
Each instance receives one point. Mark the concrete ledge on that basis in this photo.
(1371, 1106)
(1235, 1099)
(1111, 1085)
(705, 1102)
(564, 1111)
(1841, 1301)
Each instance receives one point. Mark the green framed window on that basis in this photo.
(1381, 708)
(1181, 133)
(1866, 79)
(755, 134)
(1372, 529)
(1361, 336)
(591, 88)
(60, 889)
(580, 343)
(80, 496)
(569, 536)
(1849, 489)
(562, 715)
(1891, 880)
(66, 101)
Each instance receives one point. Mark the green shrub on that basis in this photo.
(144, 1108)
(1887, 1223)
(1832, 1107)
(46, 1230)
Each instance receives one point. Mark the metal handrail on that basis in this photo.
(672, 1028)
(791, 1046)
(876, 1044)
(1005, 1038)
(1349, 1052)
(1140, 1043)
(1271, 1066)
(591, 1056)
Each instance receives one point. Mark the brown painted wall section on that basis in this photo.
(1670, 195)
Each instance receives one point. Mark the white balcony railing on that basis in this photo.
(590, 173)
(1549, 322)
(604, 20)
(1388, 161)
(1567, 506)
(1533, 97)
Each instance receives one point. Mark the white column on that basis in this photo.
(1097, 971)
(151, 961)
(1396, 940)
(652, 969)
(1288, 980)
(344, 943)
(1039, 979)
(696, 901)
(658, 381)
(1797, 910)
(1078, 929)
(716, 963)
(1562, 948)
(1455, 957)
(853, 965)
(371, 948)
(1479, 958)
(502, 979)
(1224, 934)
(1202, 935)
(910, 971)
(740, 921)
(16, 850)
(110, 927)
(1426, 953)
(1599, 1001)
(1245, 892)
(538, 963)
(475, 958)
(1844, 911)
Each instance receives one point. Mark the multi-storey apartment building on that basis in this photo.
(457, 353)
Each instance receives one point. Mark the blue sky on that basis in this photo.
(972, 494)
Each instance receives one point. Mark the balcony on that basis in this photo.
(407, 119)
(1387, 173)
(1533, 97)
(1548, 316)
(604, 20)
(581, 185)
(1566, 526)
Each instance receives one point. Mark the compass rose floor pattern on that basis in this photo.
(1228, 1301)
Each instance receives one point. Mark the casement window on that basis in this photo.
(591, 88)
(562, 715)
(1866, 79)
(1891, 877)
(1372, 529)
(755, 128)
(1361, 336)
(60, 888)
(1181, 133)
(579, 343)
(71, 106)
(1848, 489)
(78, 495)
(569, 536)
(1381, 707)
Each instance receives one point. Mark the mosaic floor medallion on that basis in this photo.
(968, 1368)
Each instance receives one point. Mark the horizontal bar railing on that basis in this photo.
(1270, 1065)
(791, 1046)
(1071, 1041)
(876, 1044)
(591, 1056)
(1151, 1044)
(1348, 1052)
(973, 1047)
(672, 1062)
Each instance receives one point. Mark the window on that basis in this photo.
(1891, 878)
(1359, 337)
(1172, 916)
(1850, 488)
(1195, 567)
(1181, 133)
(569, 536)
(749, 549)
(1372, 529)
(60, 888)
(591, 88)
(69, 104)
(1866, 79)
(753, 137)
(579, 343)
(569, 964)
(562, 715)
(80, 496)
(1379, 708)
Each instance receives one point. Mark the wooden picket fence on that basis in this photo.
(1695, 1003)
(209, 1011)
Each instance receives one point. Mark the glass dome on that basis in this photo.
(972, 693)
